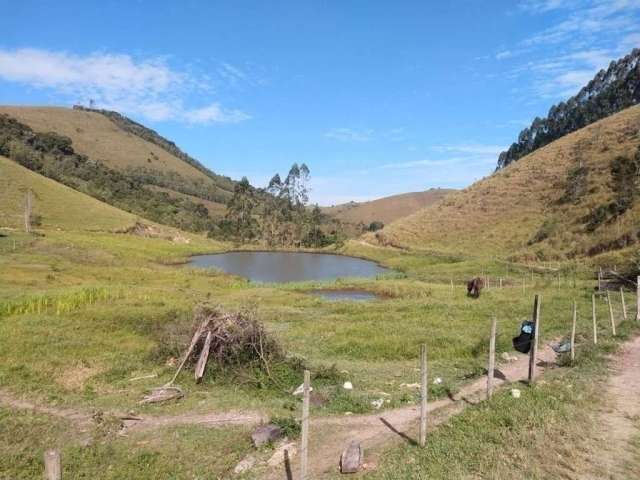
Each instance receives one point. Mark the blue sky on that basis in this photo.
(376, 97)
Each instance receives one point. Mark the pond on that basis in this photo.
(280, 267)
(346, 294)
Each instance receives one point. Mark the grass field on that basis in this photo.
(127, 306)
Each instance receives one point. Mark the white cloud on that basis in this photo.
(145, 87)
(470, 148)
(504, 54)
(215, 113)
(349, 135)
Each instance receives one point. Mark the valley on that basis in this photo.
(158, 319)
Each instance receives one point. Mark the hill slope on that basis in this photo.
(610, 91)
(128, 147)
(387, 209)
(57, 205)
(553, 203)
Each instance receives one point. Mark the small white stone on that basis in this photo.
(437, 381)
(515, 393)
(278, 456)
(245, 464)
(347, 386)
(377, 403)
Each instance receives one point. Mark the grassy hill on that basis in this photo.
(58, 205)
(387, 209)
(542, 206)
(119, 147)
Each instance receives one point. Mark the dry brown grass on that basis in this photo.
(387, 209)
(501, 213)
(97, 137)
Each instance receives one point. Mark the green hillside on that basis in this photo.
(57, 205)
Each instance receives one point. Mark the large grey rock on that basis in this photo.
(266, 433)
(351, 459)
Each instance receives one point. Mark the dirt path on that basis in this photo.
(619, 420)
(330, 435)
(84, 421)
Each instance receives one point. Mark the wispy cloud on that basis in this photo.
(147, 87)
(349, 135)
(583, 37)
(470, 148)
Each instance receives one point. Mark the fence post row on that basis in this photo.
(573, 331)
(638, 299)
(492, 358)
(304, 447)
(423, 395)
(613, 322)
(533, 352)
(593, 315)
(52, 465)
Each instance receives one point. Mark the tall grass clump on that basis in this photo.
(59, 304)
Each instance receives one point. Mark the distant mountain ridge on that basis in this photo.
(609, 92)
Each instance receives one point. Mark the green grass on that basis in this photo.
(141, 309)
(550, 432)
(57, 205)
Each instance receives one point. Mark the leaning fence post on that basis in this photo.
(423, 395)
(593, 315)
(492, 358)
(304, 447)
(613, 322)
(52, 465)
(624, 305)
(573, 331)
(533, 352)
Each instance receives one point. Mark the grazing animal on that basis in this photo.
(474, 286)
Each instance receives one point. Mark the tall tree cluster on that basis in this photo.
(278, 215)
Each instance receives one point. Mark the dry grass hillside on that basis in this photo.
(520, 210)
(57, 205)
(387, 209)
(99, 138)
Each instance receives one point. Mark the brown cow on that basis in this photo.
(474, 286)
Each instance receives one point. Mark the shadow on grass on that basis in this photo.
(403, 435)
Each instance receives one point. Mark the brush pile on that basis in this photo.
(228, 339)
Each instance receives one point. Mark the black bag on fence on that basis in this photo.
(522, 342)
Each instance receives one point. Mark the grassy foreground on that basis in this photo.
(82, 314)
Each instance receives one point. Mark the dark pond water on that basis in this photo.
(349, 295)
(279, 267)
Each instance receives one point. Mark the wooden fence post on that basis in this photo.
(52, 465)
(533, 352)
(423, 395)
(624, 305)
(600, 279)
(492, 358)
(500, 282)
(593, 315)
(573, 331)
(613, 322)
(638, 299)
(304, 447)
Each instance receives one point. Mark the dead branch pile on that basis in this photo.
(228, 338)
